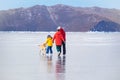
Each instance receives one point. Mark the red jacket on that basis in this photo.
(63, 33)
(58, 38)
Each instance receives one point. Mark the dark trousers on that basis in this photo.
(64, 48)
(49, 48)
(58, 47)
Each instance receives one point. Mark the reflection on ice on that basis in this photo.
(60, 68)
(60, 65)
(49, 64)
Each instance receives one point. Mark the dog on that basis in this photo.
(42, 49)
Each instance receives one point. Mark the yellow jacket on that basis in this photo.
(49, 41)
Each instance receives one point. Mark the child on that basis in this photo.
(49, 44)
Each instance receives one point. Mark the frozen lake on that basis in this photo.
(90, 56)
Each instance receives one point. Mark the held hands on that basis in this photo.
(52, 41)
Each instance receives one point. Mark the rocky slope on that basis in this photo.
(47, 18)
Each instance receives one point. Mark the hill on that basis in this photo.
(47, 18)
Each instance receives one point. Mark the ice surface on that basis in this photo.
(90, 56)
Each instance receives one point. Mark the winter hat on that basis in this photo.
(58, 28)
(48, 36)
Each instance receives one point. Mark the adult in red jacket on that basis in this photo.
(64, 36)
(58, 38)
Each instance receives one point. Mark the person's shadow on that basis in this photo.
(60, 68)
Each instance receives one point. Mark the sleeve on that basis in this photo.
(53, 38)
(62, 37)
(46, 41)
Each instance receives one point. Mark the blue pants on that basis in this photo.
(49, 48)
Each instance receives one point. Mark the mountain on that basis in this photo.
(47, 18)
(106, 26)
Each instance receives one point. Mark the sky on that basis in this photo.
(11, 4)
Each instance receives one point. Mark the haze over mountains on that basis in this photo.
(48, 18)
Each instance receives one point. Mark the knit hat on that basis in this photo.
(58, 28)
(48, 36)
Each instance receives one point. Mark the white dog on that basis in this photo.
(42, 49)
